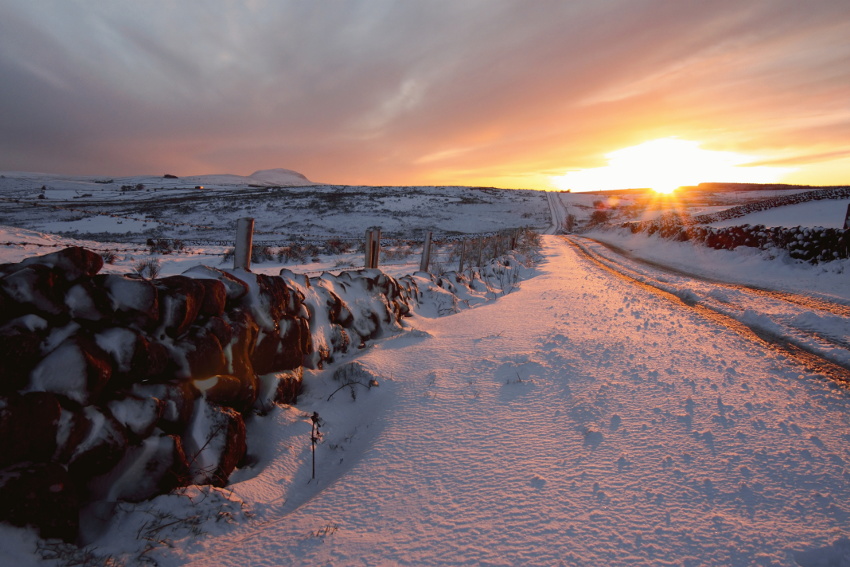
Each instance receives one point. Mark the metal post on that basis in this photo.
(314, 437)
(244, 241)
(426, 254)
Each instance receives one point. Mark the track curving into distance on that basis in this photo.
(813, 330)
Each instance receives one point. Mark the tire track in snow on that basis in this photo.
(558, 211)
(814, 360)
(810, 302)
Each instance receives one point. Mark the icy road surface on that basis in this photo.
(579, 421)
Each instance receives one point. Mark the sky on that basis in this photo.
(481, 92)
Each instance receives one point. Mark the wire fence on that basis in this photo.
(443, 250)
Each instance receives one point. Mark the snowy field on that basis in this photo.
(826, 214)
(204, 209)
(578, 420)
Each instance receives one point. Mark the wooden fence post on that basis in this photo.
(426, 254)
(367, 260)
(244, 241)
(480, 249)
(462, 251)
(376, 247)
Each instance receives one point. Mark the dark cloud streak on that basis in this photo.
(391, 92)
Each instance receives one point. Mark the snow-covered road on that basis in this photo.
(811, 327)
(577, 421)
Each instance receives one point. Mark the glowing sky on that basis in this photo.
(473, 92)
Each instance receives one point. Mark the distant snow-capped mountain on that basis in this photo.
(281, 176)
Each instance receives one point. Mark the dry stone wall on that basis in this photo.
(809, 244)
(117, 388)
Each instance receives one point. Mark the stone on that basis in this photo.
(41, 495)
(215, 297)
(245, 334)
(289, 387)
(180, 300)
(222, 389)
(215, 442)
(29, 424)
(103, 444)
(77, 368)
(135, 298)
(235, 289)
(204, 354)
(135, 358)
(20, 352)
(221, 329)
(88, 302)
(275, 293)
(263, 358)
(178, 401)
(74, 262)
(36, 287)
(156, 465)
(275, 353)
(138, 415)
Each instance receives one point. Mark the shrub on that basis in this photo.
(148, 269)
(336, 246)
(260, 254)
(165, 245)
(599, 217)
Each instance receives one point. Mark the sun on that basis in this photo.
(665, 165)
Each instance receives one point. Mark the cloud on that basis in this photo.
(403, 92)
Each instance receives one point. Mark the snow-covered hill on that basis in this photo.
(281, 176)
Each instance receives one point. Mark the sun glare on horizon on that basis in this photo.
(666, 164)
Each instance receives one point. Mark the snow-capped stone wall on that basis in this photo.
(116, 388)
(812, 245)
(773, 202)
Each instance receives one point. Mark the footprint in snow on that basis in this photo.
(592, 437)
(537, 481)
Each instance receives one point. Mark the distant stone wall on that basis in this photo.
(773, 202)
(116, 388)
(675, 219)
(813, 245)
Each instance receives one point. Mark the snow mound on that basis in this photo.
(281, 176)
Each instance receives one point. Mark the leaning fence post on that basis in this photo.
(244, 240)
(426, 254)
